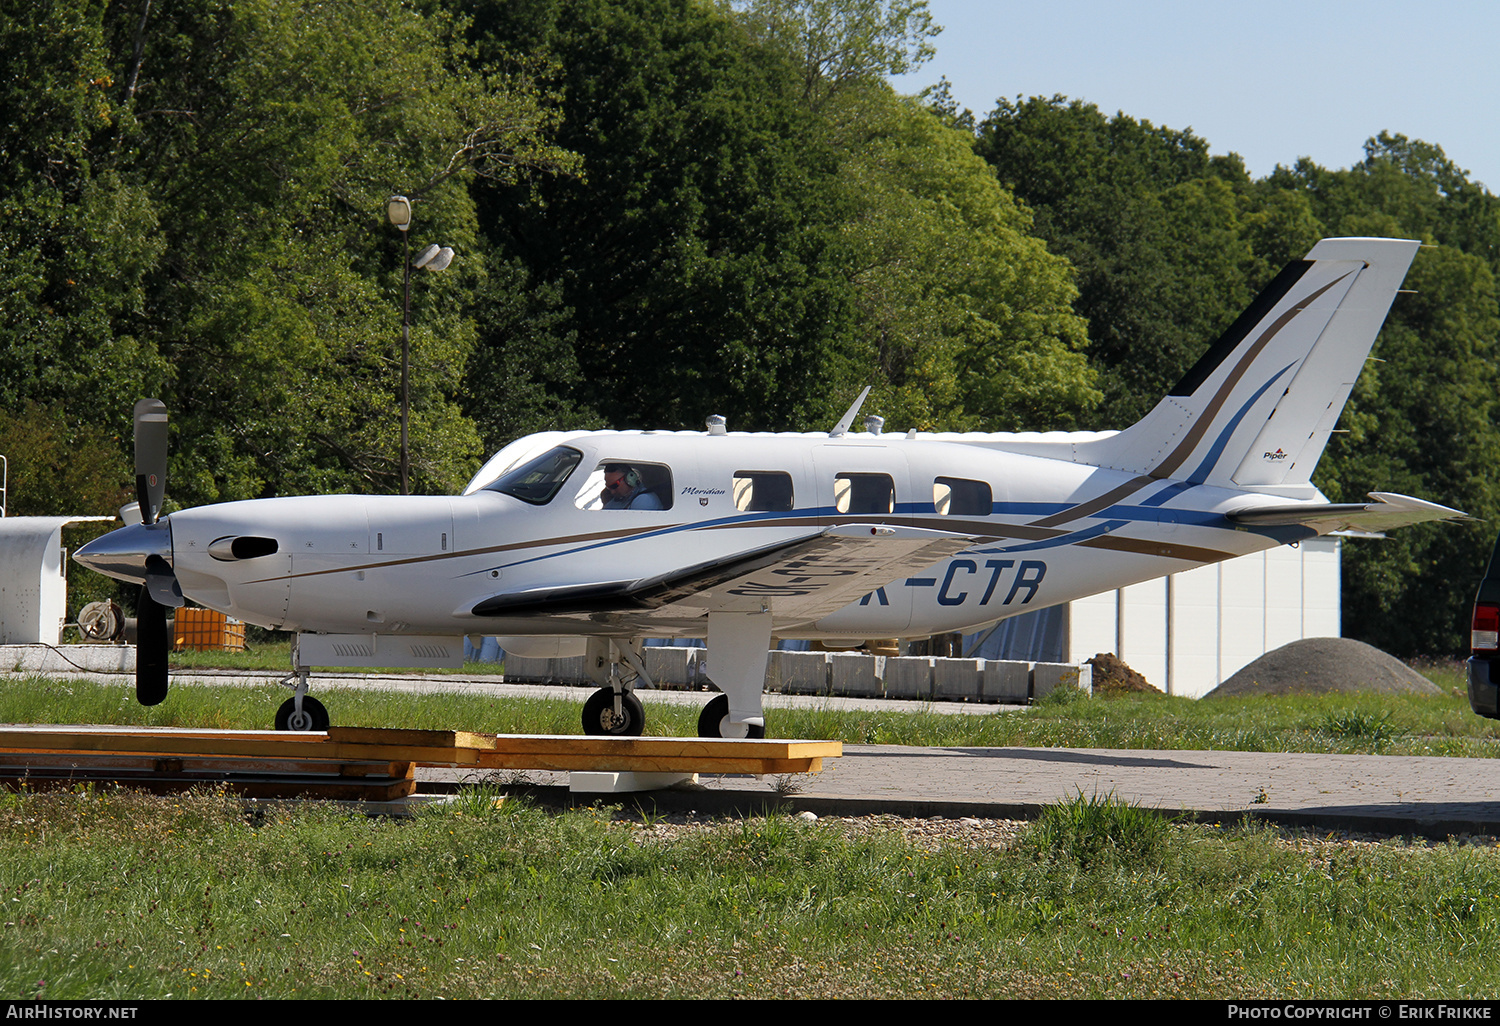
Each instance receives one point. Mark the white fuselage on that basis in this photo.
(1051, 531)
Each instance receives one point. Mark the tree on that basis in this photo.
(967, 316)
(1151, 223)
(692, 269)
(836, 44)
(746, 244)
(79, 237)
(273, 292)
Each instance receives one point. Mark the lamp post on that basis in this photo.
(433, 258)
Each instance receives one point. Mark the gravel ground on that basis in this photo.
(930, 833)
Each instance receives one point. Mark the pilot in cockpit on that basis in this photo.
(624, 489)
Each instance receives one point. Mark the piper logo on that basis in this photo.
(1273, 456)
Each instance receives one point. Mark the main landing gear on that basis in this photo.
(615, 711)
(714, 722)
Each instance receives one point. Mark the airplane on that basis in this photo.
(588, 542)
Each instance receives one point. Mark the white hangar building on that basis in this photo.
(1189, 632)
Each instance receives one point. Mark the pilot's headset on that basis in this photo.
(632, 476)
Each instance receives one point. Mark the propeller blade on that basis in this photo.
(150, 457)
(151, 646)
(161, 582)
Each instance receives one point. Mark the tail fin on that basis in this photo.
(1258, 408)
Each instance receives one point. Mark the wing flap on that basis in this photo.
(1389, 510)
(843, 564)
(802, 579)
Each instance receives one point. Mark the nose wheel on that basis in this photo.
(312, 717)
(601, 718)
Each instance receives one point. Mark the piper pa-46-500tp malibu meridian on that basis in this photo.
(586, 542)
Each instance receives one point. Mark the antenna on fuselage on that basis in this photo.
(848, 418)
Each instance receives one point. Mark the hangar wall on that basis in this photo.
(1189, 632)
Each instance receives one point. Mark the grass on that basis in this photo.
(118, 896)
(114, 895)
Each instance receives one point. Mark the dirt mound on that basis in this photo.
(1111, 675)
(1320, 665)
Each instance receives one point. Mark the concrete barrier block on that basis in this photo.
(798, 673)
(956, 680)
(853, 675)
(672, 667)
(545, 671)
(909, 677)
(1006, 680)
(1048, 676)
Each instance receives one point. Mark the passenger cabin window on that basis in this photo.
(864, 493)
(957, 497)
(537, 481)
(627, 484)
(757, 491)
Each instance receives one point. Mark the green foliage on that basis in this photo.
(691, 270)
(211, 177)
(762, 228)
(1422, 420)
(837, 44)
(965, 315)
(1149, 221)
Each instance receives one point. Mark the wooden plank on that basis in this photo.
(281, 745)
(385, 736)
(706, 747)
(370, 790)
(665, 764)
(351, 747)
(100, 761)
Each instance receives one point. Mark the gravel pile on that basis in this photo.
(1321, 665)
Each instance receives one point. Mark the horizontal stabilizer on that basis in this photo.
(1389, 510)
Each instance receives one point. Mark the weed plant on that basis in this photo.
(114, 895)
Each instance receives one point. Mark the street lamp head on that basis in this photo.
(398, 209)
(434, 258)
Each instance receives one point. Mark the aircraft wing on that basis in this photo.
(800, 580)
(1387, 511)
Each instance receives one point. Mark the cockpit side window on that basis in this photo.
(864, 493)
(960, 497)
(626, 484)
(537, 481)
(758, 491)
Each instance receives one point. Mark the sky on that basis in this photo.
(1272, 81)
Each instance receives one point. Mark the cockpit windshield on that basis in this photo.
(537, 481)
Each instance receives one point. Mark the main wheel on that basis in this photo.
(314, 716)
(599, 715)
(714, 722)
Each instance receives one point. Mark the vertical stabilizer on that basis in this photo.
(1257, 409)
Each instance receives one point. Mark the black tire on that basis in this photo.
(599, 717)
(714, 722)
(314, 716)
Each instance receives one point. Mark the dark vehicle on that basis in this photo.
(1484, 641)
